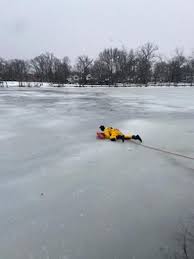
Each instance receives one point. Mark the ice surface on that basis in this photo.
(64, 194)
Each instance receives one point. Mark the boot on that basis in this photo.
(122, 137)
(138, 138)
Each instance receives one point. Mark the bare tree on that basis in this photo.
(2, 72)
(131, 67)
(17, 70)
(61, 70)
(83, 67)
(38, 66)
(190, 69)
(43, 67)
(48, 68)
(2, 67)
(99, 72)
(176, 66)
(107, 59)
(121, 66)
(112, 64)
(145, 56)
(161, 70)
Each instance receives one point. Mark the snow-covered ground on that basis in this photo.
(64, 194)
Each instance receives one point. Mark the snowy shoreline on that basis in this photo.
(7, 84)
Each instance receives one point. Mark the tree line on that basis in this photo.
(112, 66)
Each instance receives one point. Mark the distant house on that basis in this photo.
(73, 79)
(188, 78)
(3, 83)
(89, 77)
(76, 78)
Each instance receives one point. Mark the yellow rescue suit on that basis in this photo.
(114, 134)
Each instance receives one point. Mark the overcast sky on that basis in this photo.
(77, 27)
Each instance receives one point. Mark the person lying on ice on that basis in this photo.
(115, 134)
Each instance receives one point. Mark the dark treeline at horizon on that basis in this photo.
(112, 66)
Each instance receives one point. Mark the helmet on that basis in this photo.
(102, 127)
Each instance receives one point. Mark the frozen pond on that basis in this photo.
(66, 195)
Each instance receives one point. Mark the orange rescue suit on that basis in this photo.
(113, 134)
